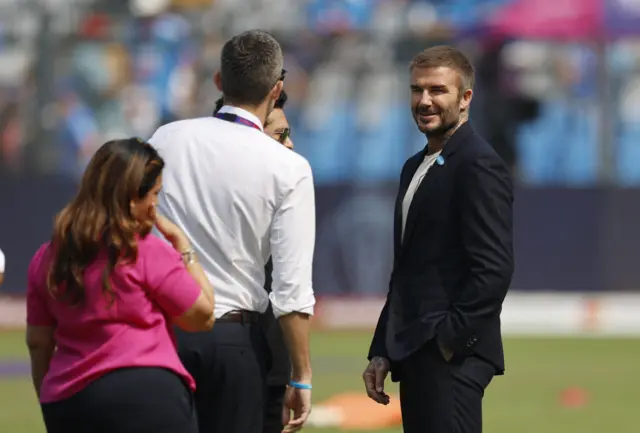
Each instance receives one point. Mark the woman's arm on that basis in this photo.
(198, 315)
(41, 346)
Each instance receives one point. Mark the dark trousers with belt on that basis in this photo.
(229, 364)
(127, 400)
(437, 396)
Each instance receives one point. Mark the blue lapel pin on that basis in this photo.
(440, 160)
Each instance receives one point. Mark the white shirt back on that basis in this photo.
(240, 197)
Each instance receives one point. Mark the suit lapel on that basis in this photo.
(436, 170)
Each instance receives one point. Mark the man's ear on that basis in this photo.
(217, 79)
(465, 101)
(277, 90)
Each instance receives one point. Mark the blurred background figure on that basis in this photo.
(557, 95)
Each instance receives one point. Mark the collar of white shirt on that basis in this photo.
(242, 113)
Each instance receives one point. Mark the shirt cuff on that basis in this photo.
(283, 311)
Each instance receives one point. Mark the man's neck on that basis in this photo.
(437, 143)
(260, 111)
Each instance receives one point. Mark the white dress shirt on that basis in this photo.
(416, 180)
(1, 262)
(241, 197)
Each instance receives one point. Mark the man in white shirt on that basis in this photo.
(241, 197)
(277, 127)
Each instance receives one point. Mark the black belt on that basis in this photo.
(239, 316)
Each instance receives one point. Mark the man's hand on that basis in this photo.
(374, 376)
(298, 401)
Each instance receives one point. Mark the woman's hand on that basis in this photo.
(172, 233)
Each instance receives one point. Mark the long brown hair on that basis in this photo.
(99, 219)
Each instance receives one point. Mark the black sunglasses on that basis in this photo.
(286, 132)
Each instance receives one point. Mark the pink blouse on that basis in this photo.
(135, 331)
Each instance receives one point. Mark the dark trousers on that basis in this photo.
(273, 409)
(131, 400)
(278, 374)
(437, 396)
(229, 365)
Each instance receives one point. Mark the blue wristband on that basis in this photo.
(299, 385)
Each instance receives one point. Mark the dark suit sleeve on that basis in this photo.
(378, 344)
(486, 220)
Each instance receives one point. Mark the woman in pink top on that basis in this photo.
(102, 297)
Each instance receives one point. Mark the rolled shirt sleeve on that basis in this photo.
(292, 240)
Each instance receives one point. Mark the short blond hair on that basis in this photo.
(447, 57)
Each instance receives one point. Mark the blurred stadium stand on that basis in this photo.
(79, 72)
(564, 113)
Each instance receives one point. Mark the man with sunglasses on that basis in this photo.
(239, 212)
(277, 127)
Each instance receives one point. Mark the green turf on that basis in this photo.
(523, 401)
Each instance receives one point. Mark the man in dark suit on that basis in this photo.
(279, 373)
(439, 330)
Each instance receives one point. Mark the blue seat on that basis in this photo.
(324, 131)
(380, 129)
(328, 145)
(579, 164)
(379, 156)
(560, 147)
(628, 156)
(537, 146)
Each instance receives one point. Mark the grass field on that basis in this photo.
(525, 400)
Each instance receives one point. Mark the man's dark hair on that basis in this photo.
(251, 64)
(282, 99)
(449, 57)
